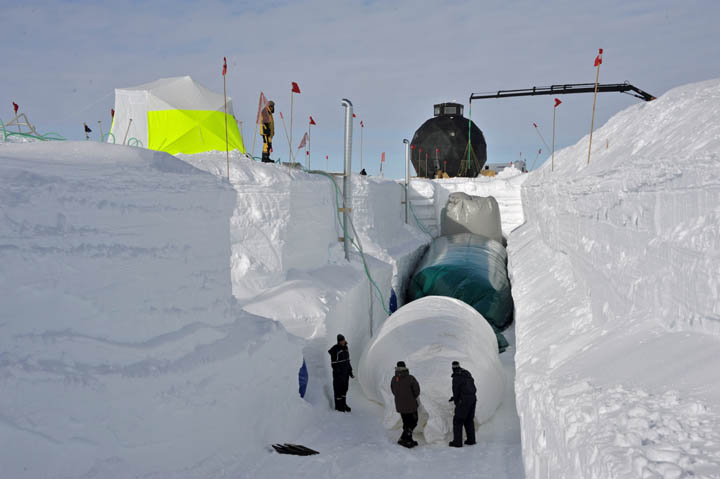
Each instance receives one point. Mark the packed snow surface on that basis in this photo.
(616, 280)
(429, 334)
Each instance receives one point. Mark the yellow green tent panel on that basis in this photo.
(175, 115)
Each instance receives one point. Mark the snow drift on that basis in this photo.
(122, 351)
(428, 334)
(617, 293)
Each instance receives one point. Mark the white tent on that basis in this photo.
(176, 115)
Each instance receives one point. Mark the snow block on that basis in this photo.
(428, 334)
(122, 351)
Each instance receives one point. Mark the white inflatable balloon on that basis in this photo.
(428, 334)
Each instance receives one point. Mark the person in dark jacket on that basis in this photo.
(342, 372)
(463, 388)
(268, 130)
(406, 390)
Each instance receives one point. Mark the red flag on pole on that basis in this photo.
(262, 104)
(539, 150)
(412, 147)
(112, 112)
(295, 88)
(598, 59)
(362, 125)
(224, 66)
(354, 115)
(382, 160)
(557, 102)
(535, 124)
(303, 142)
(281, 115)
(15, 107)
(312, 122)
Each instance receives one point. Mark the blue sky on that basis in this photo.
(61, 61)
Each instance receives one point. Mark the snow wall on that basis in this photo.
(504, 187)
(428, 334)
(617, 292)
(288, 265)
(122, 351)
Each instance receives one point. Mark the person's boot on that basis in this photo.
(454, 444)
(342, 405)
(470, 443)
(339, 405)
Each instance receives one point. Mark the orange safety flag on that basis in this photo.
(303, 142)
(312, 122)
(557, 102)
(295, 88)
(262, 104)
(224, 66)
(598, 59)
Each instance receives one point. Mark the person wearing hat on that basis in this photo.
(463, 388)
(406, 390)
(342, 372)
(267, 131)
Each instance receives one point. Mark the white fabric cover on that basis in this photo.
(479, 215)
(428, 334)
(177, 93)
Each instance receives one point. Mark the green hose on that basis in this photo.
(357, 245)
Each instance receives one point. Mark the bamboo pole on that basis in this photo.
(362, 127)
(308, 147)
(592, 121)
(291, 126)
(292, 160)
(552, 165)
(227, 147)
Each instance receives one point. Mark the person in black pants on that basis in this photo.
(463, 388)
(342, 372)
(406, 390)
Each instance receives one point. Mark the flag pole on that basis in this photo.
(598, 62)
(292, 160)
(552, 164)
(291, 126)
(361, 144)
(252, 153)
(227, 148)
(537, 130)
(308, 146)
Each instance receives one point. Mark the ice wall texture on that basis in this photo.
(122, 352)
(617, 291)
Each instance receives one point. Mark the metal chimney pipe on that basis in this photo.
(347, 199)
(407, 178)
